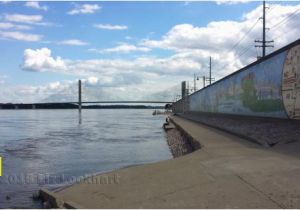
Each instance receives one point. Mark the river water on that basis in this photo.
(37, 145)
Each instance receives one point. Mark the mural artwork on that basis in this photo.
(291, 83)
(268, 89)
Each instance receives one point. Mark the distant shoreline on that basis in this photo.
(73, 106)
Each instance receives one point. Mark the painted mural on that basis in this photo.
(255, 91)
(291, 83)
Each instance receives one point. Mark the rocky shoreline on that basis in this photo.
(179, 142)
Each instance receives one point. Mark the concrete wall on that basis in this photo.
(268, 88)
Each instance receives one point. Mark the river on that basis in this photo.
(51, 148)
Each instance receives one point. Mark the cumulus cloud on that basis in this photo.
(16, 35)
(35, 93)
(110, 27)
(93, 88)
(20, 18)
(40, 60)
(219, 38)
(27, 19)
(122, 48)
(123, 79)
(190, 47)
(36, 5)
(84, 9)
(6, 25)
(6, 1)
(2, 79)
(74, 42)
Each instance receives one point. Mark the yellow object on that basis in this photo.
(0, 166)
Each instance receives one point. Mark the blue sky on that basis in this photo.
(145, 47)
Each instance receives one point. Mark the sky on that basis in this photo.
(130, 50)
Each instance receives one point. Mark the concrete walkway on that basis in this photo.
(227, 172)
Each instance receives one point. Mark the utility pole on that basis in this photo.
(209, 69)
(264, 30)
(263, 41)
(79, 95)
(205, 78)
(195, 78)
(210, 79)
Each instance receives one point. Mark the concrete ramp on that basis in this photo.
(227, 172)
(265, 131)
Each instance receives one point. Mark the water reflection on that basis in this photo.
(79, 117)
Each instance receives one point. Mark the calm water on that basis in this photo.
(36, 144)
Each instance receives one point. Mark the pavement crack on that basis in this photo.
(260, 191)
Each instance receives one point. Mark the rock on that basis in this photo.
(35, 196)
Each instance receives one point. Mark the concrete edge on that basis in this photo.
(72, 205)
(50, 199)
(53, 201)
(194, 143)
(227, 131)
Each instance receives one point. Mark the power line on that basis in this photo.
(264, 41)
(286, 18)
(245, 35)
(285, 33)
(244, 52)
(237, 43)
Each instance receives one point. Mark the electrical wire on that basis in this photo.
(285, 33)
(294, 14)
(251, 28)
(234, 46)
(244, 52)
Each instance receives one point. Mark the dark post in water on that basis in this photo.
(79, 95)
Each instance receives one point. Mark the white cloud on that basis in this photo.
(66, 91)
(36, 5)
(27, 19)
(74, 42)
(6, 1)
(190, 47)
(6, 25)
(3, 79)
(20, 18)
(20, 36)
(122, 48)
(110, 27)
(186, 3)
(84, 9)
(92, 80)
(31, 94)
(217, 38)
(41, 60)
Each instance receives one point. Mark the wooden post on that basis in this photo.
(79, 95)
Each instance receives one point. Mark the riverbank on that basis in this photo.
(227, 172)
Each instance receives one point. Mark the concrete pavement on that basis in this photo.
(227, 172)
